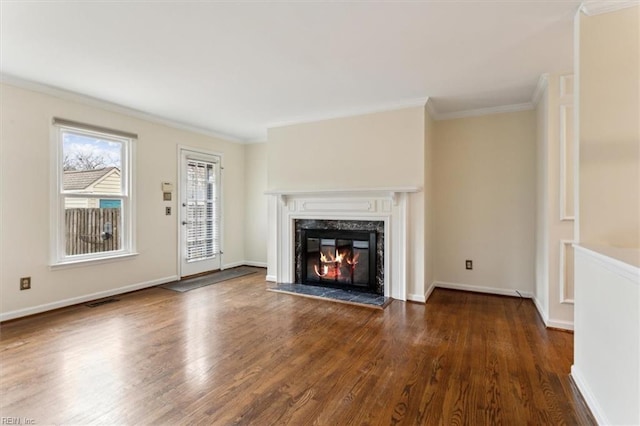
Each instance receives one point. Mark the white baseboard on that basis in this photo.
(588, 396)
(244, 263)
(232, 265)
(256, 264)
(481, 289)
(416, 298)
(271, 278)
(541, 312)
(85, 298)
(429, 291)
(548, 322)
(563, 325)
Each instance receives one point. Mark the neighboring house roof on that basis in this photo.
(82, 179)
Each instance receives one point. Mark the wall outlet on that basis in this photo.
(167, 211)
(25, 283)
(468, 264)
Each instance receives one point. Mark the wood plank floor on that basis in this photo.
(234, 353)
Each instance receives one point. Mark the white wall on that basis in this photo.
(255, 237)
(429, 207)
(382, 149)
(607, 278)
(25, 141)
(607, 336)
(551, 230)
(485, 194)
(541, 292)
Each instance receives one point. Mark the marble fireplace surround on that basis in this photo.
(389, 205)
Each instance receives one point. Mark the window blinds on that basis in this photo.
(202, 210)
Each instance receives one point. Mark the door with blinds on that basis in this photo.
(200, 207)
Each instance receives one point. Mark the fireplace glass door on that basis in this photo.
(339, 259)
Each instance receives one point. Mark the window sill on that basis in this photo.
(89, 262)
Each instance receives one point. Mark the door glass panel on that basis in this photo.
(201, 211)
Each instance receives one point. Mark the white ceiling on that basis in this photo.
(237, 68)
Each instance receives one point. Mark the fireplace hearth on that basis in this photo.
(343, 254)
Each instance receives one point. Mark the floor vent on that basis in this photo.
(101, 302)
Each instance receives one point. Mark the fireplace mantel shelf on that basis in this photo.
(391, 192)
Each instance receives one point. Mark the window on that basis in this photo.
(92, 207)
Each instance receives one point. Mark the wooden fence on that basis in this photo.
(85, 230)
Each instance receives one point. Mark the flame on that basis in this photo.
(339, 257)
(325, 270)
(331, 264)
(353, 261)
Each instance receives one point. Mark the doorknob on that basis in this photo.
(184, 222)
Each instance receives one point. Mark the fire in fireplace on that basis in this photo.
(340, 258)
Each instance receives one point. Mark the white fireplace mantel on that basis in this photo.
(390, 192)
(387, 204)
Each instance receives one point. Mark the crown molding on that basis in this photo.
(431, 109)
(68, 95)
(352, 112)
(597, 7)
(485, 111)
(543, 82)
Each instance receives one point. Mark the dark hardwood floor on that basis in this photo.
(234, 353)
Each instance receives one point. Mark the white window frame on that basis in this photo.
(59, 257)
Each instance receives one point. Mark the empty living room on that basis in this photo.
(320, 212)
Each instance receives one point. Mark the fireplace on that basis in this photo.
(345, 254)
(385, 210)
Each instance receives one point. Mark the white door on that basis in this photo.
(200, 209)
